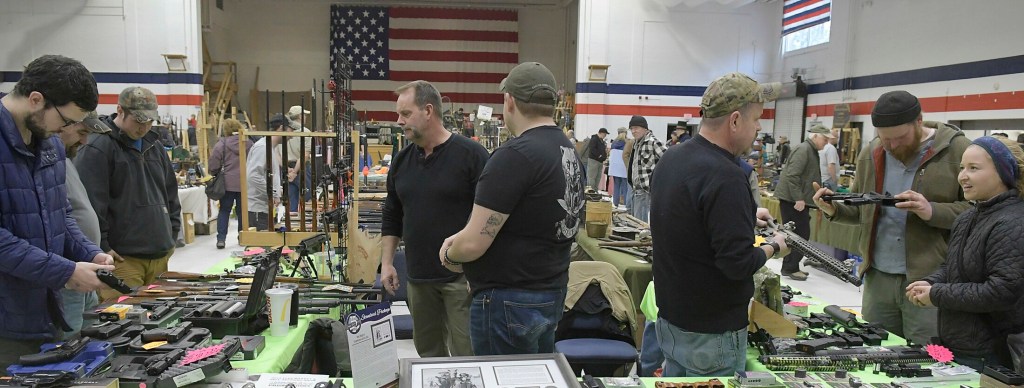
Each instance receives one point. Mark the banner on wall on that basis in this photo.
(841, 116)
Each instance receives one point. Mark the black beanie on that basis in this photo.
(638, 121)
(895, 108)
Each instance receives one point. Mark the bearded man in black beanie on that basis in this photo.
(920, 161)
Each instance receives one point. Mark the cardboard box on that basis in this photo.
(771, 321)
(600, 211)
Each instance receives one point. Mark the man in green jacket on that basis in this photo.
(795, 190)
(920, 161)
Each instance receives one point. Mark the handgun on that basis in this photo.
(104, 330)
(171, 334)
(157, 364)
(112, 281)
(64, 352)
(857, 199)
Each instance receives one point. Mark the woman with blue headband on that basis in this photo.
(979, 288)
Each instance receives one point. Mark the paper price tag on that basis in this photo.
(154, 345)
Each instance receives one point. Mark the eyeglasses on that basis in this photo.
(67, 123)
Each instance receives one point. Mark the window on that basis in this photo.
(806, 38)
(805, 23)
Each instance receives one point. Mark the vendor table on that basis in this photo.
(634, 270)
(279, 350)
(193, 200)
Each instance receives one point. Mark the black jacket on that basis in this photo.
(597, 149)
(135, 193)
(979, 289)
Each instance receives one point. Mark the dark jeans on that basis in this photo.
(651, 356)
(515, 321)
(293, 190)
(260, 221)
(231, 199)
(620, 190)
(803, 229)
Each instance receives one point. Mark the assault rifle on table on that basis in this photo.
(858, 199)
(797, 243)
(176, 275)
(850, 359)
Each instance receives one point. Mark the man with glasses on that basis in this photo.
(42, 250)
(133, 189)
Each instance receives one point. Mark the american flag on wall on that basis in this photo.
(465, 53)
(801, 14)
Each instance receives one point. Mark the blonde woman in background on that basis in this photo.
(617, 169)
(225, 158)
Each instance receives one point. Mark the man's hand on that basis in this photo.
(103, 259)
(292, 173)
(389, 278)
(444, 249)
(800, 205)
(825, 207)
(915, 203)
(780, 238)
(762, 217)
(112, 254)
(84, 278)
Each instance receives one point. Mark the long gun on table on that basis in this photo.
(849, 359)
(797, 243)
(281, 279)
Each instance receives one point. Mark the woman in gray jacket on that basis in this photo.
(225, 158)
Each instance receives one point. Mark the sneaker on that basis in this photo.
(220, 245)
(180, 243)
(798, 275)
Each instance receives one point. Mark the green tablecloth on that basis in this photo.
(279, 350)
(634, 270)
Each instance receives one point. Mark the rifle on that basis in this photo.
(858, 199)
(797, 243)
(849, 359)
(177, 275)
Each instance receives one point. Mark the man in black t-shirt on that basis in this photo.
(430, 196)
(528, 207)
(702, 225)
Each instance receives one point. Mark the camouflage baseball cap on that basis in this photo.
(531, 82)
(140, 102)
(94, 124)
(730, 92)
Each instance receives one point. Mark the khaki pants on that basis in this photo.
(136, 272)
(885, 303)
(440, 317)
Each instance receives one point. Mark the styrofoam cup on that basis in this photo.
(280, 301)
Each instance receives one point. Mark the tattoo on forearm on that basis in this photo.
(493, 225)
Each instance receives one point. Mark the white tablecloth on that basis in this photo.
(193, 200)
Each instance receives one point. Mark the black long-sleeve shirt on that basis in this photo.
(429, 199)
(702, 223)
(597, 149)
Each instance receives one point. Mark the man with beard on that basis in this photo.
(527, 210)
(920, 161)
(133, 189)
(430, 196)
(42, 250)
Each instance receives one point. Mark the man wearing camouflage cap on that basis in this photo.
(702, 215)
(133, 189)
(75, 302)
(919, 160)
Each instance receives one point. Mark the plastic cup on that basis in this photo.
(280, 301)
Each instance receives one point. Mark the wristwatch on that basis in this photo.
(775, 247)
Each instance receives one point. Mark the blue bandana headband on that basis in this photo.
(1005, 163)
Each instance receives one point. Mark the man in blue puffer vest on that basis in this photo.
(41, 248)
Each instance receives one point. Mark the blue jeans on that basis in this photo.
(642, 206)
(689, 354)
(75, 304)
(231, 199)
(515, 321)
(621, 190)
(651, 357)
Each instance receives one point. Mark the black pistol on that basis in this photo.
(64, 352)
(114, 282)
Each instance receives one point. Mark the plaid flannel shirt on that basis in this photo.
(646, 153)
